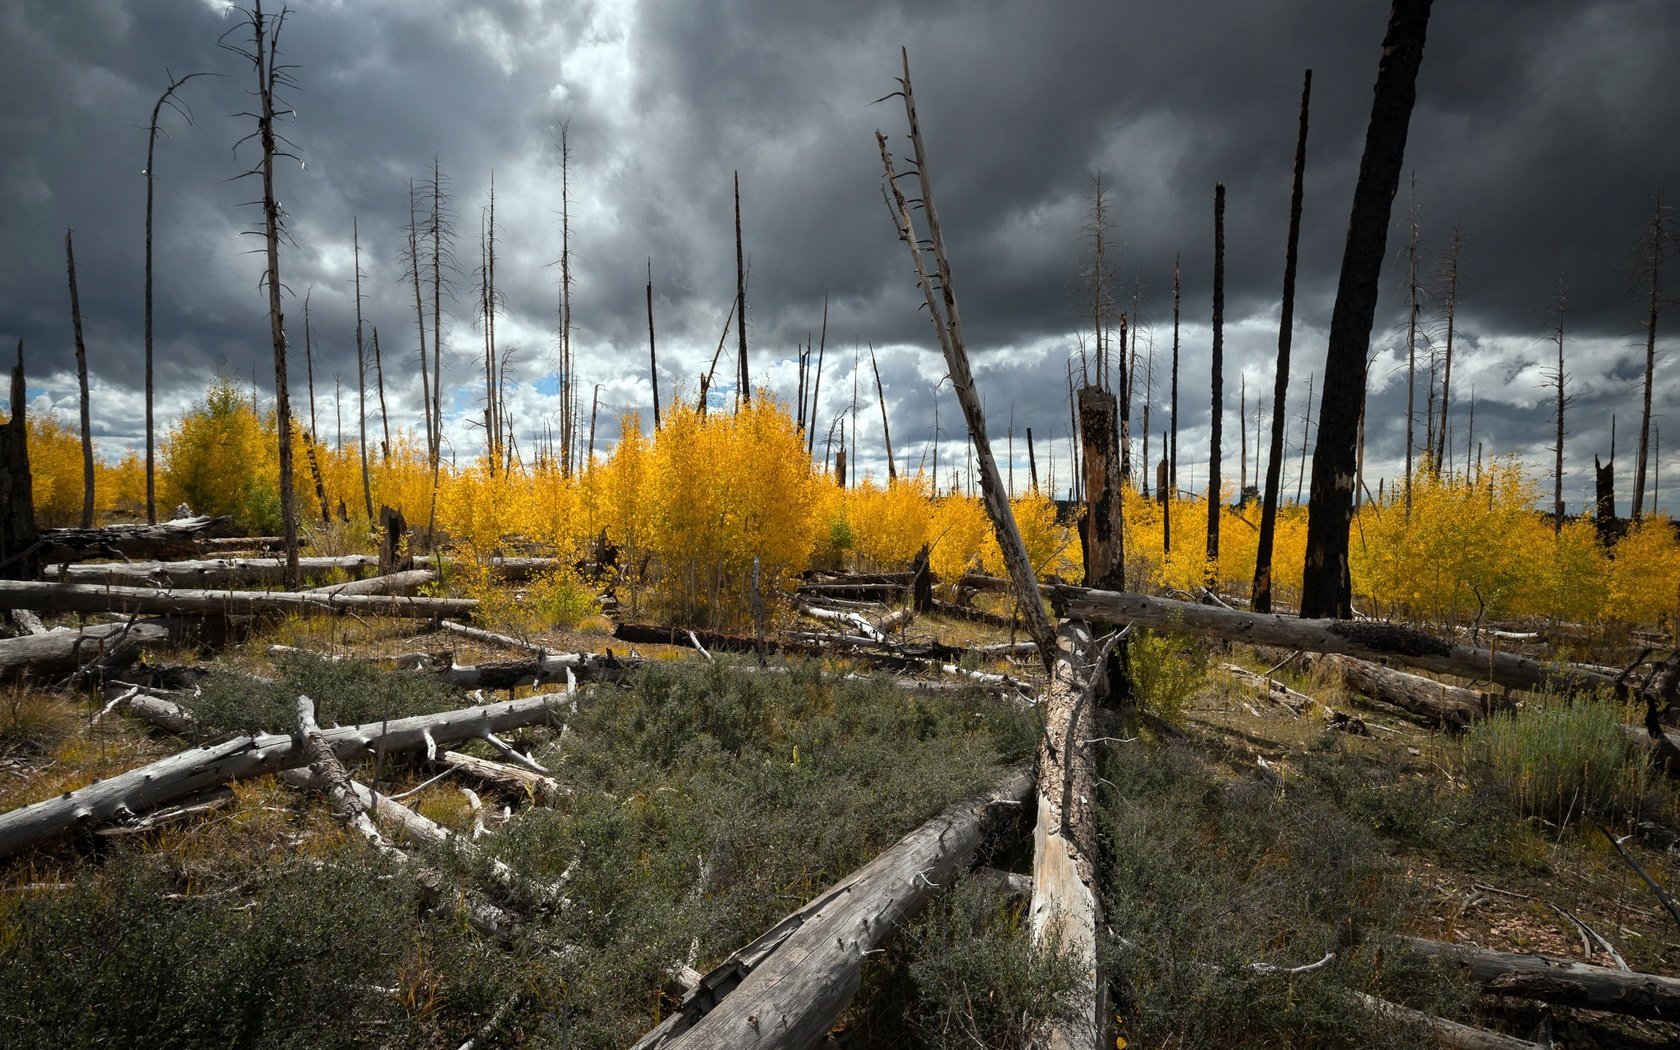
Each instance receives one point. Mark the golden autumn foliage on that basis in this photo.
(693, 505)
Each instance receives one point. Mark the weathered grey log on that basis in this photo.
(59, 652)
(158, 711)
(78, 597)
(166, 539)
(246, 756)
(408, 581)
(1361, 638)
(1444, 1032)
(539, 670)
(1447, 706)
(524, 781)
(25, 622)
(479, 634)
(1561, 982)
(786, 988)
(1064, 911)
(210, 572)
(858, 624)
(416, 827)
(1275, 691)
(512, 570)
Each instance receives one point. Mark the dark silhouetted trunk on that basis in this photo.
(18, 533)
(1218, 381)
(1639, 466)
(744, 386)
(81, 383)
(1262, 596)
(653, 352)
(1327, 587)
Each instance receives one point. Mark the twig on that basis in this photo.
(1662, 894)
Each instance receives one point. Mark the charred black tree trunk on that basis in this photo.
(1218, 381)
(18, 534)
(1262, 596)
(1327, 588)
(81, 382)
(1103, 532)
(741, 300)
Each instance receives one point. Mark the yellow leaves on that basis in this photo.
(1644, 577)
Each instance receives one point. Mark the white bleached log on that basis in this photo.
(76, 597)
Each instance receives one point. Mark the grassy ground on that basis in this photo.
(701, 803)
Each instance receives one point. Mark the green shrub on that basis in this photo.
(345, 692)
(1561, 761)
(1166, 670)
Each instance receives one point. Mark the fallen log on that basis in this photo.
(78, 597)
(1444, 1032)
(1447, 706)
(856, 622)
(1561, 982)
(522, 781)
(245, 756)
(1064, 910)
(63, 651)
(210, 572)
(1368, 640)
(479, 634)
(406, 582)
(166, 539)
(786, 988)
(539, 670)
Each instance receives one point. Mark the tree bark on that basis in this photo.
(1262, 593)
(1103, 529)
(1327, 587)
(61, 652)
(248, 756)
(1065, 909)
(1657, 239)
(785, 989)
(169, 539)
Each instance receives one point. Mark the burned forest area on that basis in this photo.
(720, 720)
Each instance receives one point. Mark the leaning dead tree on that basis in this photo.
(264, 56)
(1065, 843)
(1327, 587)
(1262, 594)
(941, 299)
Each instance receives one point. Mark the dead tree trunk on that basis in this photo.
(1447, 706)
(151, 177)
(1103, 532)
(1327, 588)
(81, 382)
(57, 653)
(1441, 452)
(18, 534)
(942, 307)
(1214, 498)
(744, 386)
(1561, 982)
(1365, 639)
(1658, 239)
(1065, 910)
(653, 353)
(886, 431)
(213, 572)
(264, 56)
(171, 539)
(243, 757)
(785, 989)
(1562, 401)
(1172, 449)
(361, 369)
(1262, 594)
(147, 601)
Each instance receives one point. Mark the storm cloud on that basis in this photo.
(1541, 128)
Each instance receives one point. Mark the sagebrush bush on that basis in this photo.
(345, 692)
(1166, 669)
(1562, 761)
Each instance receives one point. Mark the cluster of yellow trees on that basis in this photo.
(712, 503)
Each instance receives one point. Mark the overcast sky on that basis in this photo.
(1542, 127)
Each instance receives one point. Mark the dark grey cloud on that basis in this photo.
(1541, 127)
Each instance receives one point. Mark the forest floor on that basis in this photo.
(696, 803)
